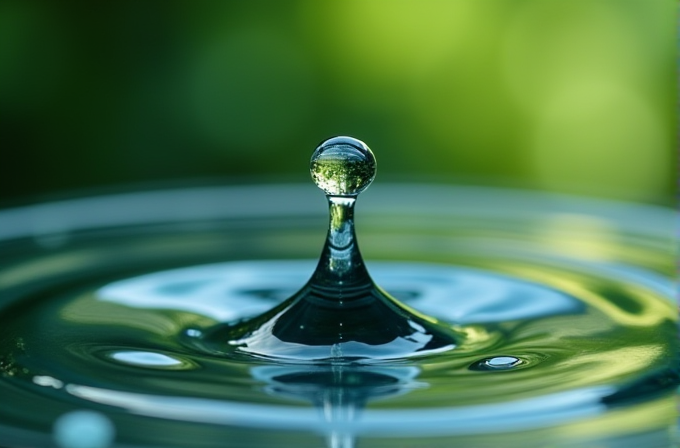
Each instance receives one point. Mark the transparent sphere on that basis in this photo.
(343, 166)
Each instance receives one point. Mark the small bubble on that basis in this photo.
(496, 363)
(147, 359)
(343, 166)
(83, 429)
(194, 333)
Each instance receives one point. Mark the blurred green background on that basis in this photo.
(577, 96)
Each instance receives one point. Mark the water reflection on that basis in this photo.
(339, 392)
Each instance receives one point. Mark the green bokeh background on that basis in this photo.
(577, 96)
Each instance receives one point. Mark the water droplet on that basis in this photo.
(343, 166)
(83, 429)
(497, 363)
(340, 314)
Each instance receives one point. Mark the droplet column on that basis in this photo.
(340, 315)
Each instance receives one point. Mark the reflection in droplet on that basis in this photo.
(83, 429)
(343, 166)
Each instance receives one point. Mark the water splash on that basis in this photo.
(340, 314)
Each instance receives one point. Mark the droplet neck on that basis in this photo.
(340, 315)
(341, 267)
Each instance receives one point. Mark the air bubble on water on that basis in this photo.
(497, 363)
(83, 429)
(145, 359)
(194, 333)
(502, 362)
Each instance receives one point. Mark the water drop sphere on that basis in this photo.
(343, 166)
